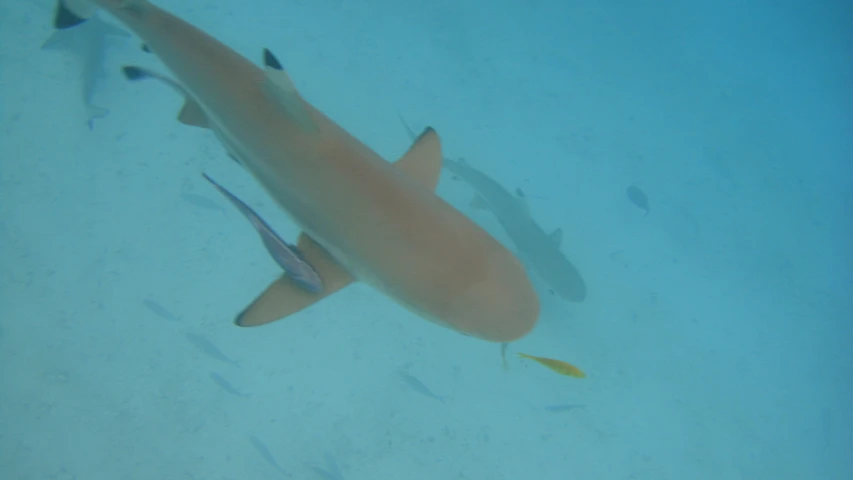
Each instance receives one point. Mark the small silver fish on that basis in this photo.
(285, 255)
(418, 386)
(332, 471)
(225, 385)
(265, 453)
(159, 310)
(209, 349)
(638, 198)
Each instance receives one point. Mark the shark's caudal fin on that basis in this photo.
(70, 13)
(283, 297)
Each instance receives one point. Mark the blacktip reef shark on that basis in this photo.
(537, 248)
(89, 43)
(362, 217)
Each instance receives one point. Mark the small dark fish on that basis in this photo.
(202, 202)
(285, 255)
(265, 452)
(225, 385)
(418, 386)
(504, 347)
(332, 471)
(159, 310)
(208, 348)
(638, 198)
(562, 408)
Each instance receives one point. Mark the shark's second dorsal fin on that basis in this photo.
(422, 161)
(284, 297)
(280, 89)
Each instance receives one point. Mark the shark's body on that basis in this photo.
(363, 218)
(538, 249)
(89, 42)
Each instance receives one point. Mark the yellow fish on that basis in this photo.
(558, 366)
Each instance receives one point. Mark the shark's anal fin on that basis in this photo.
(422, 161)
(284, 297)
(280, 89)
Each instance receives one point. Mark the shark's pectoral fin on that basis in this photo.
(285, 297)
(423, 160)
(191, 113)
(280, 89)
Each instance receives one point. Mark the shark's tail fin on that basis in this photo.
(70, 13)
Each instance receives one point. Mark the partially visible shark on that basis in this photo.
(89, 43)
(537, 248)
(362, 217)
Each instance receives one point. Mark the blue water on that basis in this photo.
(716, 335)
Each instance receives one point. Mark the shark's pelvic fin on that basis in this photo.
(280, 89)
(284, 297)
(422, 161)
(191, 113)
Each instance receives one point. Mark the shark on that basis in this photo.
(539, 249)
(89, 42)
(362, 218)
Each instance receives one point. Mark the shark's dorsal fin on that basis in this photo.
(280, 89)
(557, 236)
(422, 161)
(284, 297)
(191, 113)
